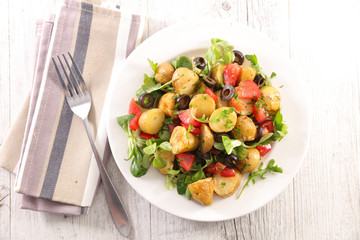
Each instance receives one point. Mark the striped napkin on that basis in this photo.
(56, 171)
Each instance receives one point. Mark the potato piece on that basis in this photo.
(202, 191)
(200, 88)
(167, 104)
(204, 104)
(185, 80)
(226, 186)
(151, 121)
(271, 96)
(245, 129)
(220, 103)
(251, 162)
(169, 158)
(247, 73)
(206, 139)
(224, 122)
(181, 141)
(217, 73)
(164, 72)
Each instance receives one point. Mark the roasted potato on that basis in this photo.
(169, 158)
(204, 105)
(200, 88)
(151, 121)
(202, 191)
(247, 73)
(251, 162)
(220, 103)
(217, 74)
(182, 141)
(224, 122)
(164, 73)
(206, 139)
(185, 80)
(272, 99)
(245, 129)
(226, 186)
(167, 104)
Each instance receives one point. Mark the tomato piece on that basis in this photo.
(268, 126)
(228, 172)
(231, 73)
(263, 150)
(134, 108)
(194, 130)
(186, 160)
(247, 89)
(211, 94)
(215, 168)
(186, 117)
(134, 122)
(235, 103)
(148, 136)
(260, 113)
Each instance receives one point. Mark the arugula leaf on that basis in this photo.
(230, 144)
(260, 173)
(280, 129)
(182, 61)
(153, 65)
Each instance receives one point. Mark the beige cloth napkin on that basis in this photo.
(56, 171)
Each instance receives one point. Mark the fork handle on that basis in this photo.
(117, 210)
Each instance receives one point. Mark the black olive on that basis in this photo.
(201, 155)
(260, 133)
(182, 102)
(231, 160)
(239, 57)
(199, 63)
(146, 100)
(259, 80)
(218, 137)
(208, 81)
(227, 92)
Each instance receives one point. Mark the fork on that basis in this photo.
(79, 100)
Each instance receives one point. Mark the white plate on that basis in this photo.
(193, 40)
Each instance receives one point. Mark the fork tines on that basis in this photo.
(76, 84)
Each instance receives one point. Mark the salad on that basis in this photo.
(204, 122)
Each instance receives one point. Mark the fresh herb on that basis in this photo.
(153, 65)
(272, 75)
(191, 127)
(230, 144)
(136, 155)
(280, 129)
(220, 51)
(260, 173)
(223, 114)
(263, 141)
(182, 62)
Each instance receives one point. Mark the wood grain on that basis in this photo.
(323, 201)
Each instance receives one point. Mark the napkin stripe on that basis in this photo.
(66, 117)
(134, 30)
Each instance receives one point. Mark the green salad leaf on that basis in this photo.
(182, 62)
(260, 173)
(220, 51)
(230, 144)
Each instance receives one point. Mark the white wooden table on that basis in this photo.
(322, 202)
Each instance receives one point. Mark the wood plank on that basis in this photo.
(5, 192)
(327, 186)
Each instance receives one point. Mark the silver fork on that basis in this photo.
(79, 100)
